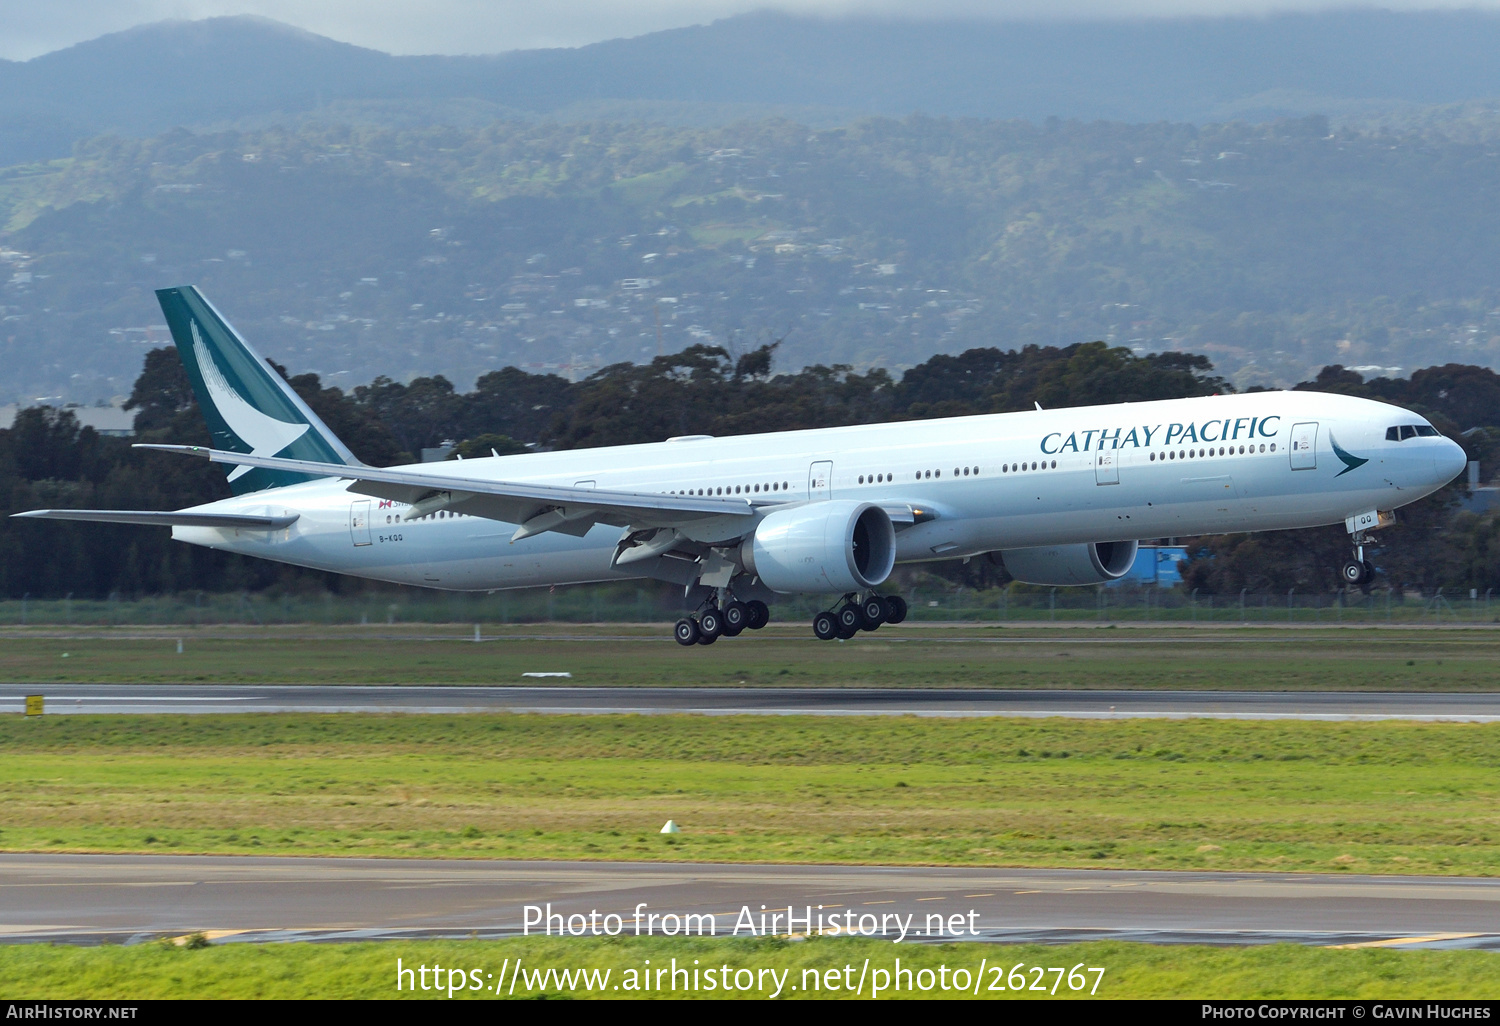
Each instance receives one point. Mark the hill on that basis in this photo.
(355, 252)
(1345, 64)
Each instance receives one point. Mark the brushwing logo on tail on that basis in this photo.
(265, 435)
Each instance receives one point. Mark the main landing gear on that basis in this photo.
(714, 622)
(856, 614)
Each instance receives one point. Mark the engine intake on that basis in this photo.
(839, 545)
(1067, 565)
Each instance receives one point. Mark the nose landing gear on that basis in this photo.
(856, 615)
(1359, 571)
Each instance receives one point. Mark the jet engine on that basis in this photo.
(840, 545)
(1064, 565)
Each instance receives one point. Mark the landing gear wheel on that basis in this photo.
(707, 639)
(686, 631)
(1357, 572)
(759, 614)
(736, 618)
(895, 609)
(825, 627)
(872, 610)
(711, 623)
(850, 619)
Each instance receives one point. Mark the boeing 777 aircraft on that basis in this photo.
(1063, 496)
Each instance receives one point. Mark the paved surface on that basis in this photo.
(230, 698)
(90, 898)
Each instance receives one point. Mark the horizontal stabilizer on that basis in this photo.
(152, 518)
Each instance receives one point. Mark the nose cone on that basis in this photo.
(1449, 461)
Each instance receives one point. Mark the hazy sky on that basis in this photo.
(31, 27)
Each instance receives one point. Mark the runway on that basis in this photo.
(131, 898)
(312, 698)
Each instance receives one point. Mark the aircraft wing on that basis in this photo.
(152, 518)
(536, 508)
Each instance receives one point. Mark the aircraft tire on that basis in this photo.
(825, 627)
(873, 611)
(736, 618)
(1352, 572)
(895, 609)
(686, 631)
(711, 622)
(850, 619)
(759, 613)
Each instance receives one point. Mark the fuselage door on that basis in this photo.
(820, 481)
(1106, 467)
(1304, 451)
(359, 522)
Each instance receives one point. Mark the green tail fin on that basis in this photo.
(248, 406)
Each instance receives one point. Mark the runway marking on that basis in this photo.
(891, 901)
(940, 898)
(989, 895)
(1393, 941)
(20, 929)
(1026, 892)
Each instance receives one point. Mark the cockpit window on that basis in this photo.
(1426, 431)
(1402, 432)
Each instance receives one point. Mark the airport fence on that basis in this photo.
(651, 604)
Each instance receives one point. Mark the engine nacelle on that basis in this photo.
(1065, 565)
(840, 545)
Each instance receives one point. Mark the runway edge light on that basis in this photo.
(671, 827)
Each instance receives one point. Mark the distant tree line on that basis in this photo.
(48, 460)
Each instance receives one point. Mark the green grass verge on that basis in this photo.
(916, 656)
(368, 970)
(1385, 797)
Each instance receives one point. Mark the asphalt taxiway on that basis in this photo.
(317, 698)
(124, 898)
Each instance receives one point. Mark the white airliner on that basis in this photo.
(1063, 496)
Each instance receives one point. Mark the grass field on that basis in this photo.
(1386, 797)
(1367, 659)
(369, 970)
